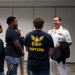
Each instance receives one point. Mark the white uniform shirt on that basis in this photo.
(62, 34)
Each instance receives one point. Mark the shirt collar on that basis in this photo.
(59, 28)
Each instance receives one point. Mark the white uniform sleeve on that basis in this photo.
(68, 37)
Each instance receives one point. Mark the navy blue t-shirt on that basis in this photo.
(38, 43)
(11, 36)
(2, 56)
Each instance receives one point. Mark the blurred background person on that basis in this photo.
(59, 34)
(13, 47)
(2, 54)
(39, 46)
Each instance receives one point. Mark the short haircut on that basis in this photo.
(10, 19)
(38, 23)
(58, 18)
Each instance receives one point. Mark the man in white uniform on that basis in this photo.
(59, 34)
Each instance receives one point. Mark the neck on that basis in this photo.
(38, 29)
(10, 26)
(57, 27)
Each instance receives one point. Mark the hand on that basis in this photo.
(22, 53)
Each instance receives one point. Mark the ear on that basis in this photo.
(1, 30)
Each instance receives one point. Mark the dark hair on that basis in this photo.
(58, 18)
(1, 29)
(0, 26)
(10, 19)
(38, 23)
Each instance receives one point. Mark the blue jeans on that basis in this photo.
(12, 64)
(2, 73)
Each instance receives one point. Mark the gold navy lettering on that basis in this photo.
(37, 49)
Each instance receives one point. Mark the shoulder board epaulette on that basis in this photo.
(64, 28)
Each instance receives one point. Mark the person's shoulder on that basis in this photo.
(64, 28)
(50, 30)
(46, 34)
(1, 41)
(10, 30)
(29, 33)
